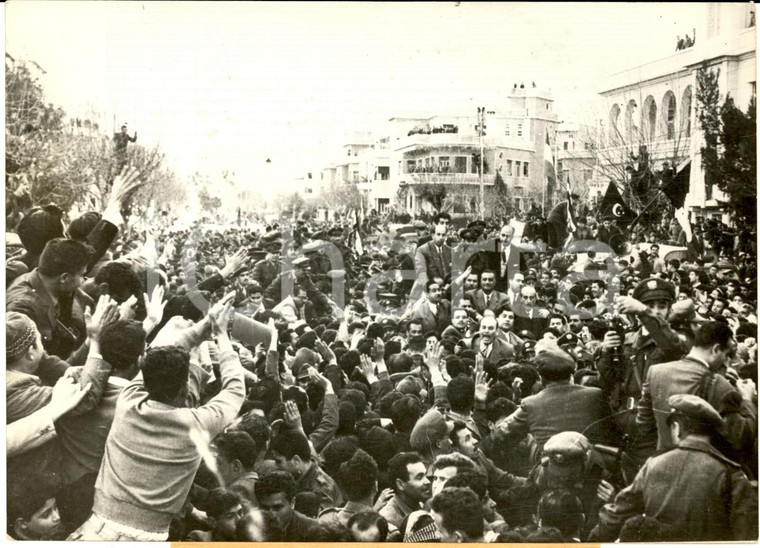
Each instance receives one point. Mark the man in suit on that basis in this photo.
(434, 311)
(443, 219)
(560, 407)
(505, 257)
(433, 259)
(265, 271)
(487, 344)
(528, 316)
(700, 373)
(486, 297)
(505, 318)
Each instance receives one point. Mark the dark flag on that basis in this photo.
(561, 225)
(613, 207)
(675, 183)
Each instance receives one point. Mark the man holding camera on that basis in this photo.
(625, 358)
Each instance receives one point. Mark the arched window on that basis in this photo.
(668, 117)
(631, 121)
(614, 131)
(649, 121)
(686, 112)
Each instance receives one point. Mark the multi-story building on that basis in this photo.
(445, 150)
(575, 161)
(419, 155)
(654, 104)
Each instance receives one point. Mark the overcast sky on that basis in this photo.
(228, 85)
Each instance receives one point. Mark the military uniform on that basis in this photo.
(316, 480)
(693, 488)
(655, 342)
(61, 324)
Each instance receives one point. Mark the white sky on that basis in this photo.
(227, 85)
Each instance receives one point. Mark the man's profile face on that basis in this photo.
(279, 506)
(466, 443)
(441, 476)
(517, 282)
(226, 524)
(45, 523)
(417, 487)
(285, 465)
(446, 536)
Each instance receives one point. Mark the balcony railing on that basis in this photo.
(446, 178)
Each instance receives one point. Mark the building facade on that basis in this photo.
(654, 105)
(418, 157)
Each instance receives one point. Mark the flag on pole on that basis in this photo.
(561, 224)
(551, 175)
(676, 185)
(613, 207)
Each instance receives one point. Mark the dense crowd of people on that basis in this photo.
(312, 381)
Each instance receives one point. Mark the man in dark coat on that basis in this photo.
(693, 488)
(560, 407)
(701, 373)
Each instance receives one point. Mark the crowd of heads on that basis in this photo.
(378, 405)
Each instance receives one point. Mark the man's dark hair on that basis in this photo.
(366, 520)
(710, 333)
(439, 216)
(62, 255)
(122, 343)
(405, 413)
(256, 427)
(117, 275)
(275, 482)
(81, 227)
(38, 226)
(415, 321)
(165, 371)
(486, 271)
(220, 501)
(600, 283)
(400, 363)
(560, 508)
(290, 443)
(561, 317)
(358, 476)
(474, 479)
(643, 528)
(397, 466)
(27, 495)
(675, 263)
(454, 434)
(236, 445)
(460, 510)
(323, 531)
(427, 286)
(597, 328)
(461, 394)
(499, 408)
(346, 418)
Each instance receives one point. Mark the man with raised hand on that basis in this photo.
(159, 441)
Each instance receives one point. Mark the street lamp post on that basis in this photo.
(481, 127)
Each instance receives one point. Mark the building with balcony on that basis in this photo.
(444, 149)
(654, 104)
(415, 153)
(575, 161)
